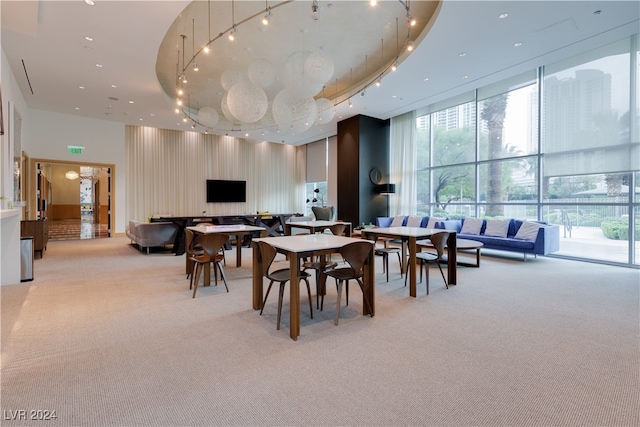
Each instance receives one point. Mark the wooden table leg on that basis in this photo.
(238, 250)
(294, 297)
(452, 259)
(257, 278)
(411, 267)
(369, 283)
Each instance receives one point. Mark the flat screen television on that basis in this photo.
(225, 191)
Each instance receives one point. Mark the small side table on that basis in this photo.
(461, 245)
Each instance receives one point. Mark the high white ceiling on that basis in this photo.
(45, 44)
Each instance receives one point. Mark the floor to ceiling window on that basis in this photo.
(558, 144)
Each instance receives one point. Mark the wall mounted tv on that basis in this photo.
(225, 191)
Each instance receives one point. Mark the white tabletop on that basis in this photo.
(320, 223)
(230, 228)
(404, 231)
(309, 242)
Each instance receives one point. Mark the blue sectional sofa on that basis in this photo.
(546, 241)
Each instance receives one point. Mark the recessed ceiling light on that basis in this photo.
(517, 44)
(425, 79)
(465, 77)
(503, 15)
(130, 102)
(140, 119)
(76, 108)
(89, 2)
(99, 65)
(461, 54)
(81, 87)
(114, 86)
(89, 39)
(152, 114)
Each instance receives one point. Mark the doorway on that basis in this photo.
(75, 198)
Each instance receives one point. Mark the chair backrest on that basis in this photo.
(188, 241)
(212, 242)
(267, 255)
(203, 224)
(355, 254)
(439, 241)
(323, 213)
(338, 229)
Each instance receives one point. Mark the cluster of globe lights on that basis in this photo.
(245, 105)
(294, 108)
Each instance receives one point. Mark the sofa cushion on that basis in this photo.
(528, 231)
(398, 221)
(414, 221)
(497, 227)
(432, 221)
(471, 226)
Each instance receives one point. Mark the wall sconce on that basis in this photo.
(385, 189)
(72, 175)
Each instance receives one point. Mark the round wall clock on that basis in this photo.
(375, 176)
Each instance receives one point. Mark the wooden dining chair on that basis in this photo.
(320, 264)
(191, 250)
(211, 244)
(282, 276)
(355, 254)
(439, 242)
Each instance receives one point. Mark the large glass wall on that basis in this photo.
(558, 144)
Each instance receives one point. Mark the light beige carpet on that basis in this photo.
(106, 335)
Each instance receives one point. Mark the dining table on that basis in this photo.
(317, 226)
(409, 237)
(237, 230)
(308, 245)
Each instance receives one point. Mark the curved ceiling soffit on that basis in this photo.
(363, 43)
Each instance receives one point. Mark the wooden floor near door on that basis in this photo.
(75, 229)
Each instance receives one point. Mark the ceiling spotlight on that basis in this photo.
(394, 66)
(267, 16)
(180, 92)
(314, 10)
(362, 93)
(373, 2)
(232, 33)
(184, 119)
(184, 78)
(177, 110)
(378, 82)
(193, 126)
(206, 49)
(350, 104)
(409, 45)
(195, 67)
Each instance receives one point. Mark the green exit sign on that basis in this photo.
(74, 149)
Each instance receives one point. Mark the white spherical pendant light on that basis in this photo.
(326, 110)
(247, 101)
(208, 117)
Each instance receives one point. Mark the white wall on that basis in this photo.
(11, 98)
(50, 133)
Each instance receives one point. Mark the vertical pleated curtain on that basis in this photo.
(403, 164)
(167, 172)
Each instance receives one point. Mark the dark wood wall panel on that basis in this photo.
(363, 143)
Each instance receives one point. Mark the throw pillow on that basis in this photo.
(397, 221)
(528, 231)
(497, 227)
(471, 226)
(432, 222)
(414, 221)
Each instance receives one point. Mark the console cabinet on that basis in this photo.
(39, 230)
